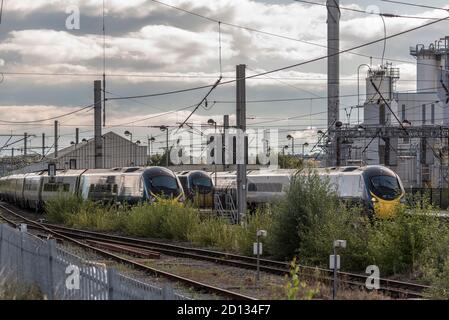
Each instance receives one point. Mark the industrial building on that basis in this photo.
(117, 152)
(422, 159)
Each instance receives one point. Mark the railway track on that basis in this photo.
(107, 254)
(394, 288)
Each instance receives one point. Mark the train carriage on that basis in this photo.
(377, 188)
(65, 182)
(32, 190)
(130, 185)
(198, 188)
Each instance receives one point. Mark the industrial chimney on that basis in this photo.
(333, 75)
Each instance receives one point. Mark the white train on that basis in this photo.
(378, 188)
(130, 185)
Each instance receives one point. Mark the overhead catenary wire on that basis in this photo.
(415, 5)
(292, 65)
(259, 31)
(201, 102)
(386, 15)
(47, 119)
(230, 24)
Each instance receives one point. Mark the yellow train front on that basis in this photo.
(384, 190)
(198, 188)
(378, 188)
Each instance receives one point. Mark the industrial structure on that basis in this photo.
(117, 150)
(407, 131)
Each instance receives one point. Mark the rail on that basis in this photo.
(392, 287)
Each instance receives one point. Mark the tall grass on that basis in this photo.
(165, 219)
(412, 244)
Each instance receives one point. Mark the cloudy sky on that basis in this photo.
(49, 70)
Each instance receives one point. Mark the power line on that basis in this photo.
(53, 118)
(162, 93)
(415, 5)
(311, 98)
(386, 15)
(201, 102)
(260, 31)
(290, 66)
(152, 117)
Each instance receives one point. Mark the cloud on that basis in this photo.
(167, 50)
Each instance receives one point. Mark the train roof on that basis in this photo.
(159, 171)
(192, 172)
(341, 171)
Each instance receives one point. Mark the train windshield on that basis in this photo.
(202, 182)
(386, 187)
(164, 185)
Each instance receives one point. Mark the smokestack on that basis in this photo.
(333, 73)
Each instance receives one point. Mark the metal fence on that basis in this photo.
(29, 260)
(438, 197)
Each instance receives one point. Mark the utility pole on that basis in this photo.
(97, 125)
(43, 145)
(25, 146)
(56, 138)
(223, 140)
(241, 126)
(167, 152)
(77, 136)
(333, 74)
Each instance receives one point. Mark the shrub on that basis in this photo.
(308, 200)
(404, 243)
(164, 219)
(246, 234)
(58, 209)
(213, 232)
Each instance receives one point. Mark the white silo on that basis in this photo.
(428, 64)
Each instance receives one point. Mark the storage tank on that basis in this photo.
(428, 72)
(384, 79)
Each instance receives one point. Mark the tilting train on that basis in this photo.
(378, 188)
(198, 188)
(130, 185)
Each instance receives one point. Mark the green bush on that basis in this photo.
(214, 232)
(164, 219)
(58, 209)
(308, 219)
(246, 234)
(413, 243)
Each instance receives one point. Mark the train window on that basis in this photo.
(164, 182)
(202, 182)
(103, 188)
(56, 187)
(265, 187)
(385, 187)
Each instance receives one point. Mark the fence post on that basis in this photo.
(23, 230)
(1, 246)
(167, 293)
(110, 275)
(51, 245)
